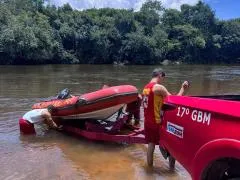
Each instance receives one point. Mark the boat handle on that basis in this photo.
(81, 101)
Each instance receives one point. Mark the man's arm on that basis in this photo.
(184, 86)
(160, 90)
(48, 120)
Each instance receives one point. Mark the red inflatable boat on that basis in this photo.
(100, 104)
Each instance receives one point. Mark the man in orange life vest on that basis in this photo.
(153, 96)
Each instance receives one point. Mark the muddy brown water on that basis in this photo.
(60, 156)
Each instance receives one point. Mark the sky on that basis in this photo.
(224, 9)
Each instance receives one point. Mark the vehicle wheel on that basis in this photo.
(171, 162)
(224, 170)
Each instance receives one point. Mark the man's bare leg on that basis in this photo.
(150, 151)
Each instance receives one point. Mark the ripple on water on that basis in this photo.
(33, 163)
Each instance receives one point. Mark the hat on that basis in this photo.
(26, 127)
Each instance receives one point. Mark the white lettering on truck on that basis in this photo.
(201, 117)
(196, 115)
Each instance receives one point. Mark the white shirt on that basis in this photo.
(34, 116)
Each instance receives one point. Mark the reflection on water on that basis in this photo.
(59, 156)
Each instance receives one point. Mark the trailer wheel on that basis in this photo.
(228, 169)
(171, 162)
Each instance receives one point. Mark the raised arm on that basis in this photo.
(184, 87)
(162, 91)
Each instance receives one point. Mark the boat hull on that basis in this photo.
(98, 114)
(97, 105)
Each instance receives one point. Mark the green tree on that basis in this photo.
(230, 41)
(161, 49)
(200, 16)
(138, 48)
(172, 17)
(188, 41)
(149, 15)
(33, 32)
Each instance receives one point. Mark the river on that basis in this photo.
(58, 156)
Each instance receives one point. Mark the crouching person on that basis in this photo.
(36, 117)
(133, 110)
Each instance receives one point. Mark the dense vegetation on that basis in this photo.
(32, 32)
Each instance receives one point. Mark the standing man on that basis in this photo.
(153, 96)
(36, 116)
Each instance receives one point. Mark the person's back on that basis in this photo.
(34, 116)
(152, 105)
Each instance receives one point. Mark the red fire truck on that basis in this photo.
(203, 134)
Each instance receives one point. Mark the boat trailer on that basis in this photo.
(112, 131)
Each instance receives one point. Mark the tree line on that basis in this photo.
(33, 32)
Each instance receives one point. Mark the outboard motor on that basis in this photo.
(64, 94)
